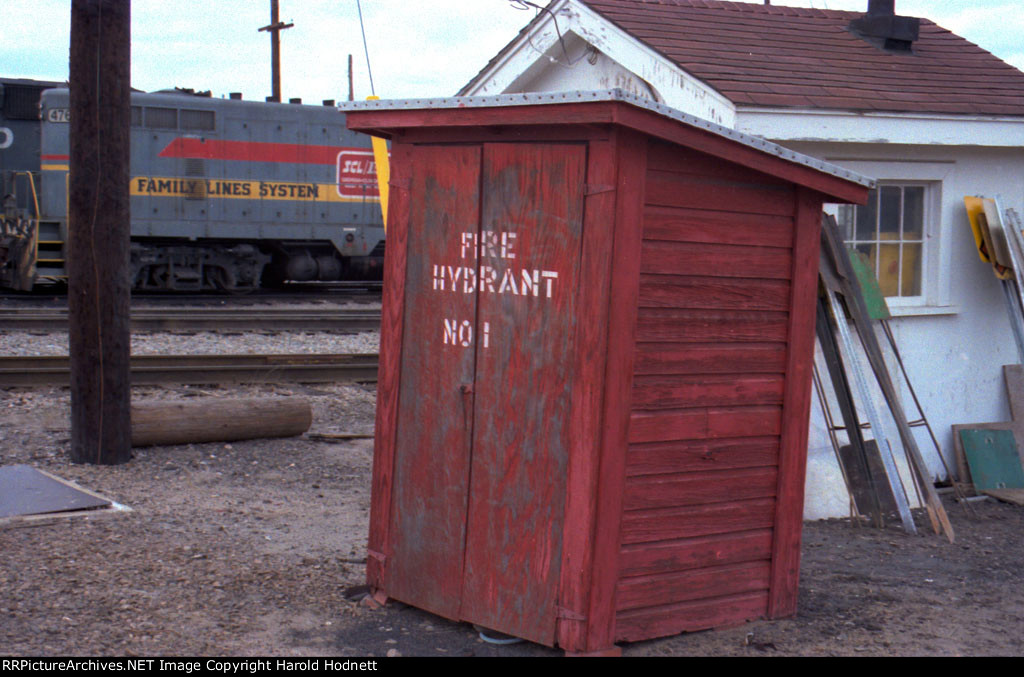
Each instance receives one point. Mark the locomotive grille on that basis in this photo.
(196, 167)
(20, 102)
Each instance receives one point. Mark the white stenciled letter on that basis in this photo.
(550, 276)
(450, 329)
(531, 282)
(508, 281)
(489, 244)
(508, 242)
(469, 281)
(454, 272)
(465, 333)
(488, 276)
(468, 243)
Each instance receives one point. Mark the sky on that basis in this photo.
(417, 48)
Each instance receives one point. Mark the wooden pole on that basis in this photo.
(351, 90)
(275, 29)
(98, 231)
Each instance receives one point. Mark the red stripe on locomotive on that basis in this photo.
(251, 151)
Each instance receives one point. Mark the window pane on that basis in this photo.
(889, 221)
(889, 232)
(912, 254)
(846, 218)
(889, 269)
(868, 252)
(913, 213)
(866, 216)
(136, 116)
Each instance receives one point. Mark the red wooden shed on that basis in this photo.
(595, 372)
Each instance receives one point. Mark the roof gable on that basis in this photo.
(793, 57)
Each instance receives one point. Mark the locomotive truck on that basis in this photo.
(226, 194)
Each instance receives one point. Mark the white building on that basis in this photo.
(928, 114)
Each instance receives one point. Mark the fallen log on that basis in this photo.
(218, 420)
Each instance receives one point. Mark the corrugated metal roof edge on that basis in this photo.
(552, 98)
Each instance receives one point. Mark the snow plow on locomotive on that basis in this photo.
(226, 195)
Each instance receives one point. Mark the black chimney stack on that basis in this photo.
(883, 28)
(882, 7)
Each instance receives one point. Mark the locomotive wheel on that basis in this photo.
(224, 281)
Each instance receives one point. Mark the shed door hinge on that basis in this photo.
(379, 556)
(401, 185)
(568, 614)
(597, 188)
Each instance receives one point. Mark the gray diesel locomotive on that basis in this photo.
(226, 194)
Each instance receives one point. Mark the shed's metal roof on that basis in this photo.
(554, 98)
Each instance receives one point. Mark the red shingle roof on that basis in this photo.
(767, 55)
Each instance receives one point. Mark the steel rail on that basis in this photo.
(207, 319)
(203, 369)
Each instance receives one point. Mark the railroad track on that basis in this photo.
(345, 320)
(203, 369)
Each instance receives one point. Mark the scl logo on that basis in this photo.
(6, 137)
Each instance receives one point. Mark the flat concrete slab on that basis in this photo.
(24, 490)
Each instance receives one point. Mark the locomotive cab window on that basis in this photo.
(202, 120)
(162, 118)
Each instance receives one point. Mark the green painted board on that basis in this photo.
(993, 459)
(869, 289)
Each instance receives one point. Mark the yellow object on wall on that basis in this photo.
(982, 237)
(380, 157)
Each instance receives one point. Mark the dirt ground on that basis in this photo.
(252, 549)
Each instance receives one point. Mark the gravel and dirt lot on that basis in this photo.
(257, 548)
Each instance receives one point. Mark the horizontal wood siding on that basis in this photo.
(654, 391)
(710, 358)
(714, 293)
(684, 586)
(667, 189)
(667, 524)
(713, 260)
(680, 456)
(704, 423)
(694, 553)
(698, 488)
(710, 326)
(671, 619)
(707, 395)
(671, 224)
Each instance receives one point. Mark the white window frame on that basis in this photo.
(936, 251)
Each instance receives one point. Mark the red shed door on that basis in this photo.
(433, 441)
(486, 384)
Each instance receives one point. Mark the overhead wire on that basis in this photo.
(366, 49)
(527, 5)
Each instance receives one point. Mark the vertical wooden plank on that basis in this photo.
(529, 245)
(585, 421)
(796, 406)
(631, 152)
(434, 430)
(392, 314)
